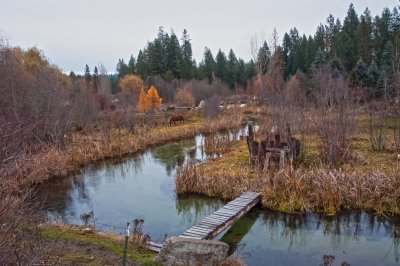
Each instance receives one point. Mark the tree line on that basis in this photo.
(362, 48)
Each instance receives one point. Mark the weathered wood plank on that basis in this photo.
(223, 218)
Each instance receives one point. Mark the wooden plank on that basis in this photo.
(154, 244)
(225, 211)
(243, 202)
(232, 209)
(194, 232)
(224, 214)
(203, 227)
(213, 217)
(211, 221)
(198, 231)
(215, 222)
(223, 218)
(193, 235)
(236, 206)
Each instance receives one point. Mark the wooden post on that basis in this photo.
(126, 245)
(282, 159)
(250, 143)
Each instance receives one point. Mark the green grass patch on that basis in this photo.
(113, 244)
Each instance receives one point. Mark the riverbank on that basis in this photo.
(369, 181)
(82, 149)
(85, 246)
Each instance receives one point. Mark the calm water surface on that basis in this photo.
(142, 186)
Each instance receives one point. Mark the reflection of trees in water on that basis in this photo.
(285, 227)
(62, 193)
(175, 154)
(114, 168)
(339, 229)
(239, 230)
(59, 197)
(194, 208)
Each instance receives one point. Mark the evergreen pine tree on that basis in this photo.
(349, 55)
(364, 37)
(122, 68)
(319, 59)
(231, 70)
(362, 73)
(221, 64)
(132, 65)
(241, 77)
(96, 80)
(174, 57)
(250, 70)
(209, 65)
(387, 77)
(141, 64)
(88, 76)
(373, 75)
(187, 64)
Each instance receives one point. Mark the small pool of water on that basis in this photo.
(142, 187)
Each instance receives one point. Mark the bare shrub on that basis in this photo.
(185, 97)
(20, 239)
(211, 107)
(202, 89)
(333, 115)
(166, 89)
(377, 123)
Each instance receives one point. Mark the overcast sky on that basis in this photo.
(77, 32)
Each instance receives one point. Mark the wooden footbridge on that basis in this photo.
(219, 221)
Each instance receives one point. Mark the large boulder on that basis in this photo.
(185, 251)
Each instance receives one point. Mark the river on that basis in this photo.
(141, 186)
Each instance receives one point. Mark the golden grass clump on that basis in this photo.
(219, 143)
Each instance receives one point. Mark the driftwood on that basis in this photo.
(272, 149)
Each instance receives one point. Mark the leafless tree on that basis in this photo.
(334, 113)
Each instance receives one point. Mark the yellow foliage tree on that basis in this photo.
(142, 102)
(185, 97)
(131, 84)
(153, 100)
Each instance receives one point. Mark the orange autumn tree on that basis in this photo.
(153, 100)
(142, 105)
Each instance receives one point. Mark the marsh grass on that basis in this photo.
(82, 148)
(219, 143)
(372, 185)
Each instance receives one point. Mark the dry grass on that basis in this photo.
(82, 149)
(218, 144)
(232, 261)
(374, 185)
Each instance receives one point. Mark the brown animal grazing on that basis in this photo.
(176, 118)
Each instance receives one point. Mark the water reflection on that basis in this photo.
(358, 238)
(142, 186)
